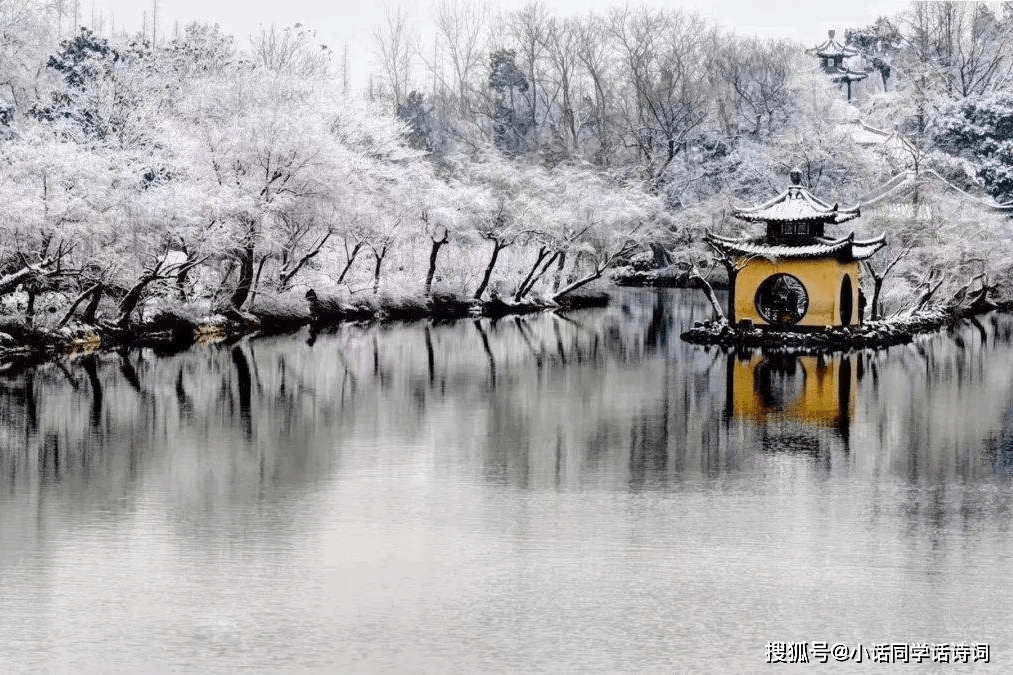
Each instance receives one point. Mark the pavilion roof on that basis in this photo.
(831, 48)
(843, 73)
(847, 248)
(797, 204)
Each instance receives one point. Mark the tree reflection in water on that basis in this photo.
(607, 397)
(511, 483)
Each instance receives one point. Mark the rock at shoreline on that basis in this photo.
(583, 300)
(281, 314)
(894, 331)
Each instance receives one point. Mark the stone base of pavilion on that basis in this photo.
(872, 334)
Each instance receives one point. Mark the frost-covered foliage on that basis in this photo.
(201, 173)
(525, 156)
(980, 128)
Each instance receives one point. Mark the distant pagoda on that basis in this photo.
(833, 59)
(794, 276)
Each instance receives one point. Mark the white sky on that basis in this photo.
(353, 21)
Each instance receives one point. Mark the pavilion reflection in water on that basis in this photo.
(818, 391)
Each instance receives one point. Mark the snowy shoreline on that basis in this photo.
(172, 331)
(895, 330)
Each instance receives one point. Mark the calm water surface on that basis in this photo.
(555, 492)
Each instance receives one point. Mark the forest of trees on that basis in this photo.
(506, 155)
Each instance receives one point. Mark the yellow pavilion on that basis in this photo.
(795, 277)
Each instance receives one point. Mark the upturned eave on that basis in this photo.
(846, 248)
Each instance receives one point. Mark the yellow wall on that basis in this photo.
(822, 279)
(819, 399)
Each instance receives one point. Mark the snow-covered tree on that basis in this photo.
(980, 129)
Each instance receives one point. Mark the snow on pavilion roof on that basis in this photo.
(831, 48)
(847, 248)
(797, 204)
(843, 73)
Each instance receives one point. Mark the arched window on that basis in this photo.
(847, 301)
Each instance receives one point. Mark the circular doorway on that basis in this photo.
(782, 300)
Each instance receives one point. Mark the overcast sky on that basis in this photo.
(353, 21)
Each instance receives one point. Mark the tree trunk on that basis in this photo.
(662, 258)
(181, 278)
(434, 251)
(542, 252)
(92, 309)
(578, 283)
(77, 301)
(245, 282)
(496, 247)
(732, 274)
(709, 292)
(351, 259)
(130, 301)
(601, 116)
(927, 295)
(12, 281)
(230, 267)
(545, 268)
(289, 271)
(557, 279)
(256, 280)
(571, 121)
(30, 306)
(376, 269)
(877, 286)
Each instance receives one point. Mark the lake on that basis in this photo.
(571, 492)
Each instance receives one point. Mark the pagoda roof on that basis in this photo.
(847, 248)
(831, 48)
(843, 73)
(797, 204)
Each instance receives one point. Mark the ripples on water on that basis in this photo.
(559, 492)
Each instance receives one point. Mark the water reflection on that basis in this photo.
(541, 400)
(776, 390)
(498, 439)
